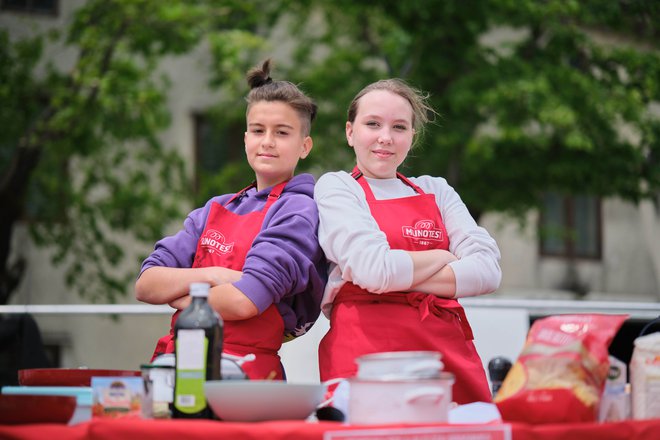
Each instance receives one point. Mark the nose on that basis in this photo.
(268, 140)
(384, 137)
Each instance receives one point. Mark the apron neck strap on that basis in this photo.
(274, 194)
(357, 174)
(242, 192)
(407, 181)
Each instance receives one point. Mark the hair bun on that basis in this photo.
(260, 76)
(264, 89)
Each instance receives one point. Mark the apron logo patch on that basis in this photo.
(213, 241)
(424, 231)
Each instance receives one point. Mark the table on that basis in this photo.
(120, 429)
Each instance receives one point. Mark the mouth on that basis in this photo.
(382, 154)
(266, 155)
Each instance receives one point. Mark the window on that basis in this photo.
(218, 143)
(570, 226)
(45, 7)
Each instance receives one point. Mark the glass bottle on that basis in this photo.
(498, 368)
(198, 336)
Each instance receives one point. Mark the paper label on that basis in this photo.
(117, 396)
(444, 432)
(191, 349)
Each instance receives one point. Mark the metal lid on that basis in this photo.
(399, 355)
(444, 376)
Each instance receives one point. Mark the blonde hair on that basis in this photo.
(263, 88)
(421, 109)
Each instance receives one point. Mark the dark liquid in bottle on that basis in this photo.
(198, 346)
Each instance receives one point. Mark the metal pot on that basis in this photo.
(400, 401)
(401, 365)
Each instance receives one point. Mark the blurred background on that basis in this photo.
(117, 117)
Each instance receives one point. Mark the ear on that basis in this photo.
(307, 145)
(245, 141)
(349, 133)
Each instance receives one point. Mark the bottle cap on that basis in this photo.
(199, 289)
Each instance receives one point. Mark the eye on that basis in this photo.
(372, 124)
(400, 127)
(257, 130)
(283, 132)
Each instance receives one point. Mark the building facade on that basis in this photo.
(619, 259)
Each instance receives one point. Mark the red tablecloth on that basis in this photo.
(100, 429)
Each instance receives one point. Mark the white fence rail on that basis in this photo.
(535, 307)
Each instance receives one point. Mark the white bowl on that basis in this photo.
(259, 400)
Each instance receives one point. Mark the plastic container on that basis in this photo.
(615, 401)
(159, 391)
(198, 336)
(645, 377)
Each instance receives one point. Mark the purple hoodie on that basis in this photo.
(285, 265)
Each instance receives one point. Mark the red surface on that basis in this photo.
(21, 409)
(118, 429)
(66, 377)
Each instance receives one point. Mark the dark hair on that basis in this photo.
(263, 88)
(421, 109)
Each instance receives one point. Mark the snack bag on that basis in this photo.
(561, 371)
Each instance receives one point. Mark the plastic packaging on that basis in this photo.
(645, 377)
(615, 401)
(560, 374)
(198, 336)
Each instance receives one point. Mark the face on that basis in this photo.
(274, 142)
(381, 134)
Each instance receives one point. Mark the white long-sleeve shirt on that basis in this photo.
(358, 250)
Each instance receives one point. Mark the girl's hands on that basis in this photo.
(166, 285)
(215, 276)
(181, 303)
(432, 273)
(221, 275)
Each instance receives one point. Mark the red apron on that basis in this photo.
(225, 241)
(363, 322)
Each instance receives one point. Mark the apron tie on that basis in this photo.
(423, 303)
(427, 304)
(431, 305)
(414, 320)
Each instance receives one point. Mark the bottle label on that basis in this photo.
(191, 349)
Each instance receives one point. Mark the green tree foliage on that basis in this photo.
(79, 153)
(532, 95)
